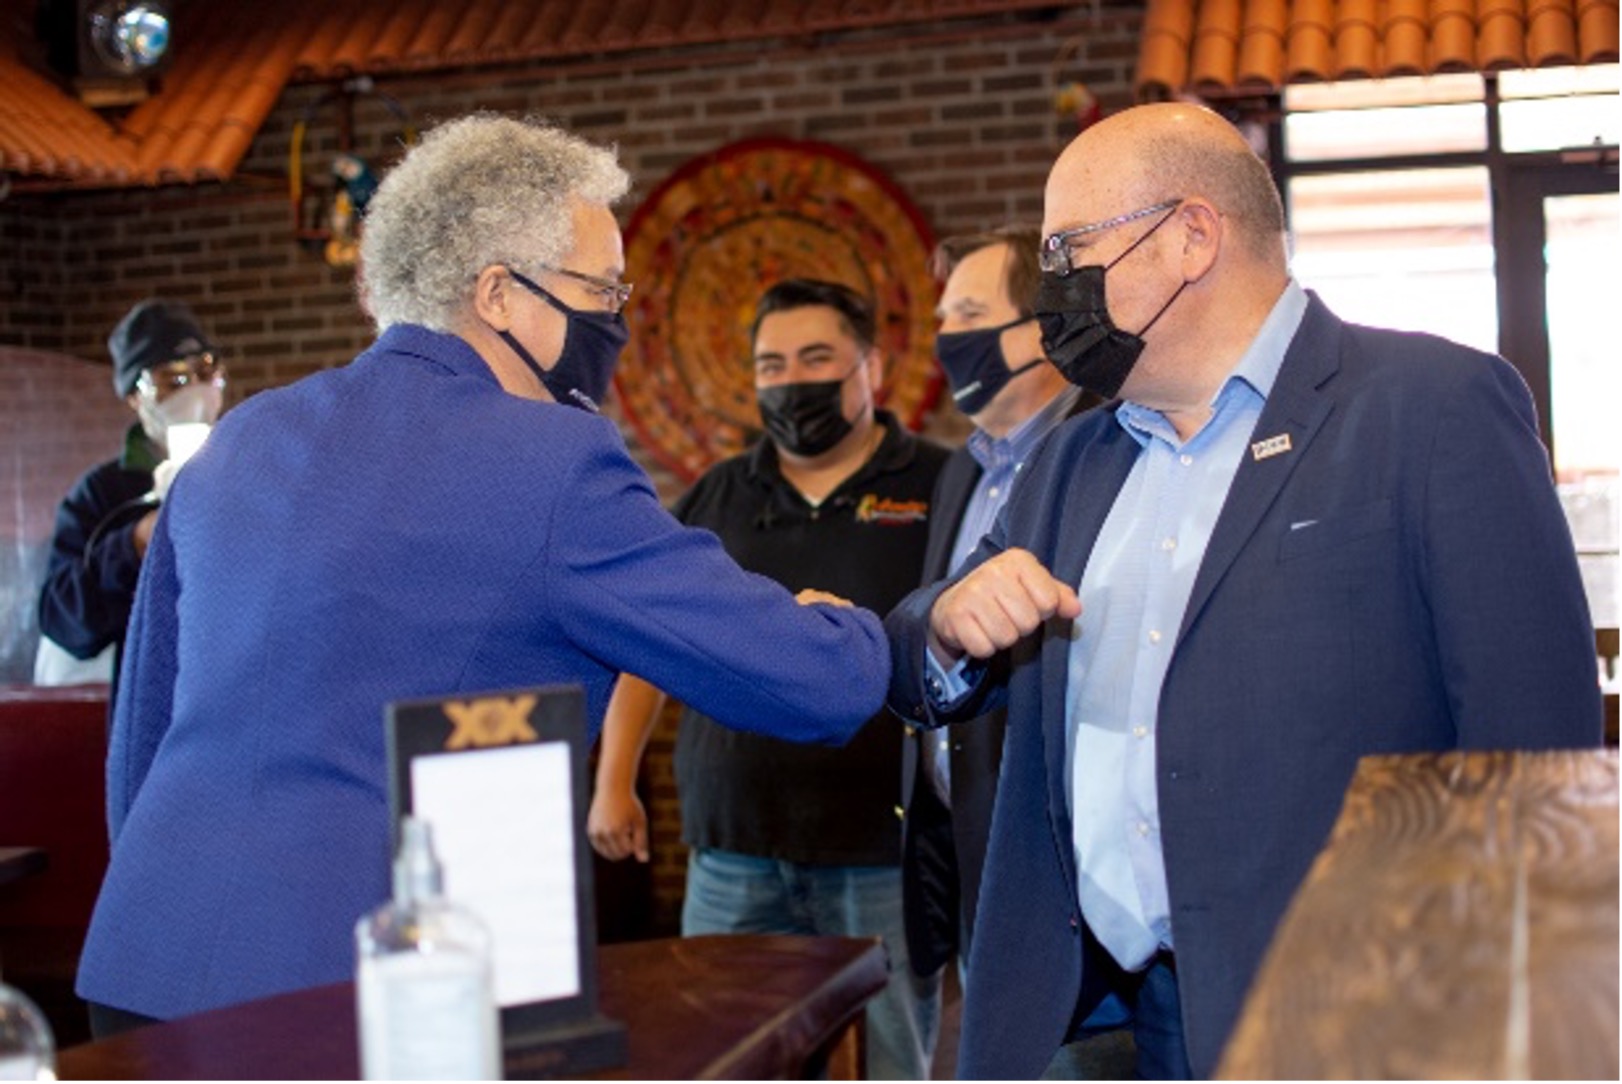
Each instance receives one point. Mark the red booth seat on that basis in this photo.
(53, 749)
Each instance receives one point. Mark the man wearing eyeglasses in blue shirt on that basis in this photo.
(1292, 542)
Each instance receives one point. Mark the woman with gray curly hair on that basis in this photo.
(446, 514)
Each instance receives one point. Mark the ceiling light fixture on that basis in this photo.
(128, 37)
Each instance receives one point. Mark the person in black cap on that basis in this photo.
(166, 369)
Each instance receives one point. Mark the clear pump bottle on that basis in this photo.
(27, 1050)
(424, 988)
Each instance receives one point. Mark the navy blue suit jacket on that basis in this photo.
(1401, 579)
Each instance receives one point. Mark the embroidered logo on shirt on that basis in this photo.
(875, 509)
(1272, 446)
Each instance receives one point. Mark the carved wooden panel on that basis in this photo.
(1460, 923)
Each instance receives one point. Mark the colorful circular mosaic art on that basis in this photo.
(721, 230)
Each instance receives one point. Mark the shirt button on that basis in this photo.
(1140, 732)
(1186, 460)
(1154, 636)
(932, 685)
(944, 745)
(1143, 828)
(1168, 544)
(992, 492)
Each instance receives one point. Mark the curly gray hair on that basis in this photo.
(480, 190)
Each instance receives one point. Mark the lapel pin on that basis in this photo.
(1272, 446)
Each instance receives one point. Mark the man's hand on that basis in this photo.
(811, 594)
(142, 535)
(618, 825)
(997, 605)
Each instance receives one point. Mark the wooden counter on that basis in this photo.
(1461, 923)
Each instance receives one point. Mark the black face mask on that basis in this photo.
(591, 348)
(807, 418)
(974, 365)
(1077, 332)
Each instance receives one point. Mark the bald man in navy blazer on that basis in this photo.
(1292, 542)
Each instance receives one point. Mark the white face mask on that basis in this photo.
(197, 403)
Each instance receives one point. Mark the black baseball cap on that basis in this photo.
(151, 334)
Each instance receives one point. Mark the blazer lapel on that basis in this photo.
(952, 495)
(1296, 408)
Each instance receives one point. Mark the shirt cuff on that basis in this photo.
(948, 688)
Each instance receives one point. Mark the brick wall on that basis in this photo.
(960, 115)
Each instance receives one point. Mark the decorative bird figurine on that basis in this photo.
(358, 180)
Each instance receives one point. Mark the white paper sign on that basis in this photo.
(503, 823)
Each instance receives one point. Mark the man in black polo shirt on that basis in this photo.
(794, 838)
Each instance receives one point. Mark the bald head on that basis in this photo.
(1172, 150)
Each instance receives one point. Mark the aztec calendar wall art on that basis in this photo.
(716, 234)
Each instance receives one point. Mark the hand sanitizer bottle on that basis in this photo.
(424, 988)
(27, 1051)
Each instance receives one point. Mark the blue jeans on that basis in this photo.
(737, 893)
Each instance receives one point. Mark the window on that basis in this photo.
(1391, 187)
(1409, 250)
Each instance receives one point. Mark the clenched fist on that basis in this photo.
(997, 605)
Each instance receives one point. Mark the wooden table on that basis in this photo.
(16, 863)
(19, 862)
(1461, 923)
(705, 1008)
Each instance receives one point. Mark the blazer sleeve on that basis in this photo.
(644, 594)
(1512, 622)
(144, 703)
(907, 627)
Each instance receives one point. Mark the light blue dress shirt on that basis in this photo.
(1133, 594)
(1001, 460)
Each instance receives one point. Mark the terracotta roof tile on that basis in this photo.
(435, 30)
(397, 30)
(46, 133)
(1218, 45)
(506, 31)
(541, 31)
(328, 34)
(1551, 29)
(662, 24)
(233, 61)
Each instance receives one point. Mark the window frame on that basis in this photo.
(1517, 182)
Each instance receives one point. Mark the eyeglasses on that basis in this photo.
(162, 381)
(613, 295)
(1055, 254)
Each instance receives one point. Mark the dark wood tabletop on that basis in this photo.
(19, 862)
(1460, 924)
(705, 1008)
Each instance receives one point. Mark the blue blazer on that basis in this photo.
(1402, 579)
(397, 528)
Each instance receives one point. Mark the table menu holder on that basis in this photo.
(501, 777)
